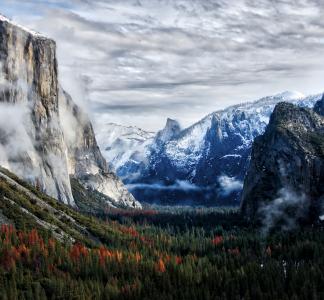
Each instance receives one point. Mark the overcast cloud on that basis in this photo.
(137, 62)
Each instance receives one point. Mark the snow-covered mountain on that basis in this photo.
(202, 164)
(126, 148)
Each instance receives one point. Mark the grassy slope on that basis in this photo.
(26, 208)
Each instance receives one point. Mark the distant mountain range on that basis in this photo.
(121, 144)
(203, 164)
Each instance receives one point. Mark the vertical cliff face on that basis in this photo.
(29, 85)
(44, 137)
(85, 161)
(287, 166)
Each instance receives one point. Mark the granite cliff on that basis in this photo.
(287, 166)
(45, 137)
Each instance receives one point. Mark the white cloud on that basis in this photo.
(276, 212)
(15, 141)
(228, 185)
(179, 185)
(180, 59)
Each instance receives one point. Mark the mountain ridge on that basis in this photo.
(217, 145)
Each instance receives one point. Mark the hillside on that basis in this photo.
(25, 207)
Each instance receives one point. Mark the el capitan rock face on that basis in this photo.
(29, 86)
(289, 156)
(44, 137)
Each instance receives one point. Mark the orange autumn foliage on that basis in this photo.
(178, 260)
(167, 258)
(104, 253)
(78, 251)
(218, 240)
(23, 250)
(33, 237)
(21, 236)
(137, 257)
(129, 231)
(119, 256)
(160, 266)
(7, 231)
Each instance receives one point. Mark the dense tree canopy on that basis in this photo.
(136, 259)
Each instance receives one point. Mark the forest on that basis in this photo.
(153, 255)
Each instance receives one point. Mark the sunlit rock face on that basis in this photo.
(33, 146)
(44, 137)
(85, 161)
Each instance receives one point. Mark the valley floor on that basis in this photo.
(198, 254)
(51, 251)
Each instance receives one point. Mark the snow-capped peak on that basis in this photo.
(114, 131)
(121, 144)
(290, 95)
(171, 129)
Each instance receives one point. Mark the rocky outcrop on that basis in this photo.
(44, 137)
(288, 159)
(85, 161)
(319, 107)
(171, 130)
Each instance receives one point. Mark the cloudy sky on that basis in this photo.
(137, 62)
